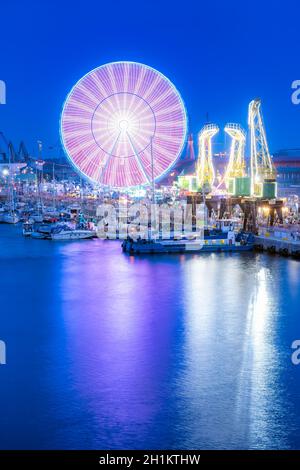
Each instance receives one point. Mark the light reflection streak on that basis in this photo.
(229, 345)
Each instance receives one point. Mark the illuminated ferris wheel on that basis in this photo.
(123, 124)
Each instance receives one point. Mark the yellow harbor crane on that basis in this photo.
(236, 167)
(204, 168)
(263, 172)
(260, 183)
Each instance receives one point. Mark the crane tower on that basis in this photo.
(263, 173)
(204, 168)
(236, 166)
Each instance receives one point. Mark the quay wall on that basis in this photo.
(283, 242)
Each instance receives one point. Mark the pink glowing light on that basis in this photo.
(118, 119)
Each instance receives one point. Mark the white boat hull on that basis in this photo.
(72, 235)
(10, 219)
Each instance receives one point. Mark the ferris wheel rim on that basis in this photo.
(181, 108)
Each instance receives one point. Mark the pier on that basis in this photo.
(285, 242)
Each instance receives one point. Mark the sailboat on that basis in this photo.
(10, 216)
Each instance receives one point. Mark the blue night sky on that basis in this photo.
(219, 55)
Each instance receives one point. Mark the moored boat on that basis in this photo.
(65, 233)
(27, 229)
(10, 218)
(229, 242)
(36, 230)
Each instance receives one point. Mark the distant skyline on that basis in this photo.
(219, 55)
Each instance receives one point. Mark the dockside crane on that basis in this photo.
(204, 167)
(263, 172)
(12, 153)
(4, 153)
(236, 167)
(9, 155)
(23, 153)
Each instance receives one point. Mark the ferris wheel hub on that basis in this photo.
(123, 125)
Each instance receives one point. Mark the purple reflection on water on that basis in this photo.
(123, 330)
(109, 351)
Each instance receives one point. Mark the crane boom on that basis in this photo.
(262, 167)
(204, 168)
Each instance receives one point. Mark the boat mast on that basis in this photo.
(152, 170)
(153, 218)
(10, 183)
(54, 186)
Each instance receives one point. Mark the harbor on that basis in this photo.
(54, 201)
(86, 217)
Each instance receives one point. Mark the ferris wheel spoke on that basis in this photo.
(109, 157)
(139, 161)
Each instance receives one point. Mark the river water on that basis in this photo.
(174, 351)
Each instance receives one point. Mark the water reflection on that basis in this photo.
(154, 352)
(259, 395)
